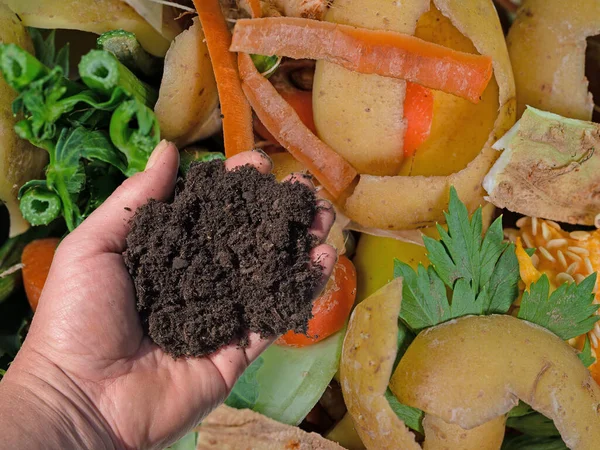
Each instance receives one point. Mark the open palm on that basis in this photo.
(87, 325)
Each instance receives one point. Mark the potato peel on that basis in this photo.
(547, 45)
(440, 435)
(474, 369)
(405, 202)
(368, 357)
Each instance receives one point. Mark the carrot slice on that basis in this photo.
(237, 115)
(255, 8)
(418, 112)
(385, 53)
(332, 171)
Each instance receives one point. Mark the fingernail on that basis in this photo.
(157, 153)
(325, 204)
(264, 155)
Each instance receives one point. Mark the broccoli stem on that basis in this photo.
(19, 68)
(135, 131)
(102, 72)
(40, 206)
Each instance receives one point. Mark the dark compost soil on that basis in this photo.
(229, 254)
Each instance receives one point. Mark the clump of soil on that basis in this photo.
(229, 255)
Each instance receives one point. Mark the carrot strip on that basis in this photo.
(418, 112)
(237, 115)
(255, 8)
(332, 171)
(385, 53)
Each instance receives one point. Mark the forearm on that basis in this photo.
(38, 414)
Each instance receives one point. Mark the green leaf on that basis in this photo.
(533, 424)
(524, 442)
(585, 355)
(424, 298)
(45, 50)
(292, 380)
(491, 250)
(245, 392)
(66, 173)
(412, 417)
(463, 300)
(568, 312)
(522, 409)
(188, 442)
(503, 286)
(405, 338)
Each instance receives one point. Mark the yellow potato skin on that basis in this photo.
(19, 160)
(547, 49)
(416, 201)
(440, 435)
(362, 116)
(368, 357)
(471, 370)
(96, 16)
(188, 92)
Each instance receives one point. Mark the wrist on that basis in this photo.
(43, 408)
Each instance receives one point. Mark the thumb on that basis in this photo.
(105, 230)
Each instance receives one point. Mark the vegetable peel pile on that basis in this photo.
(427, 123)
(474, 330)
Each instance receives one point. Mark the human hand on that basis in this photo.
(86, 359)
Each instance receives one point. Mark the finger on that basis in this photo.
(325, 256)
(258, 159)
(232, 360)
(109, 224)
(324, 219)
(301, 178)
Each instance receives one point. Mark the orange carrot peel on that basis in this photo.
(255, 8)
(385, 53)
(237, 115)
(418, 112)
(333, 172)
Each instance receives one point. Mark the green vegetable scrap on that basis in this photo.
(412, 417)
(266, 65)
(102, 72)
(45, 50)
(127, 49)
(286, 383)
(568, 312)
(482, 272)
(95, 133)
(135, 131)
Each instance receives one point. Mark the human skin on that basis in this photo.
(87, 376)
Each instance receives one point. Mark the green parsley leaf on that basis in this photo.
(424, 298)
(568, 312)
(245, 392)
(412, 417)
(585, 355)
(481, 271)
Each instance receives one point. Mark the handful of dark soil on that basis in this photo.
(229, 255)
